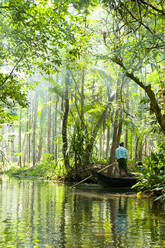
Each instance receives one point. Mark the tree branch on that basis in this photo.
(153, 7)
(138, 20)
(12, 70)
(147, 88)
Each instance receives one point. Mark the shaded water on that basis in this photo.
(43, 214)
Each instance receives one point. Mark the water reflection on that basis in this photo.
(43, 214)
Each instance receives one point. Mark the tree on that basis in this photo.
(34, 127)
(137, 42)
(20, 141)
(65, 123)
(34, 34)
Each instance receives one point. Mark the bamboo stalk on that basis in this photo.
(92, 175)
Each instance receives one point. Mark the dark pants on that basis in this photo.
(122, 162)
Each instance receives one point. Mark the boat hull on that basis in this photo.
(116, 182)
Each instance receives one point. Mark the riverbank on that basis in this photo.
(48, 172)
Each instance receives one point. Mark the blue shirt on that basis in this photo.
(121, 152)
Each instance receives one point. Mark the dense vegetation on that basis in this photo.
(76, 78)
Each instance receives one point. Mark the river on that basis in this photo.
(35, 213)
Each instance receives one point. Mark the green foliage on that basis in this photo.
(136, 41)
(47, 169)
(14, 169)
(152, 175)
(102, 161)
(12, 92)
(47, 34)
(37, 34)
(41, 29)
(77, 144)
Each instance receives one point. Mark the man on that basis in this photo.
(121, 156)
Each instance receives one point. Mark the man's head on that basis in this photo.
(122, 144)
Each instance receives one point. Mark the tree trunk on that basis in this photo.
(65, 122)
(136, 148)
(28, 136)
(114, 139)
(49, 128)
(12, 145)
(127, 108)
(40, 145)
(25, 151)
(107, 143)
(54, 134)
(34, 128)
(146, 147)
(140, 151)
(116, 135)
(131, 147)
(120, 126)
(126, 138)
(82, 98)
(101, 145)
(20, 141)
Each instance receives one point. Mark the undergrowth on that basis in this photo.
(46, 169)
(152, 175)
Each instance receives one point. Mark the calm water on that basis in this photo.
(43, 214)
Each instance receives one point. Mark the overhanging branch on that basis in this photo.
(147, 88)
(16, 65)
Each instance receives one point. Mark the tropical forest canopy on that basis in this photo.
(77, 77)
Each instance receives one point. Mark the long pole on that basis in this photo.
(92, 175)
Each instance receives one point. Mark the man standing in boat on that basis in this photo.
(121, 156)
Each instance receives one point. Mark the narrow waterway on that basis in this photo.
(34, 213)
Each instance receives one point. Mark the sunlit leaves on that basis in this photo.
(12, 92)
(42, 30)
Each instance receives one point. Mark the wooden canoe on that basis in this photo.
(115, 182)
